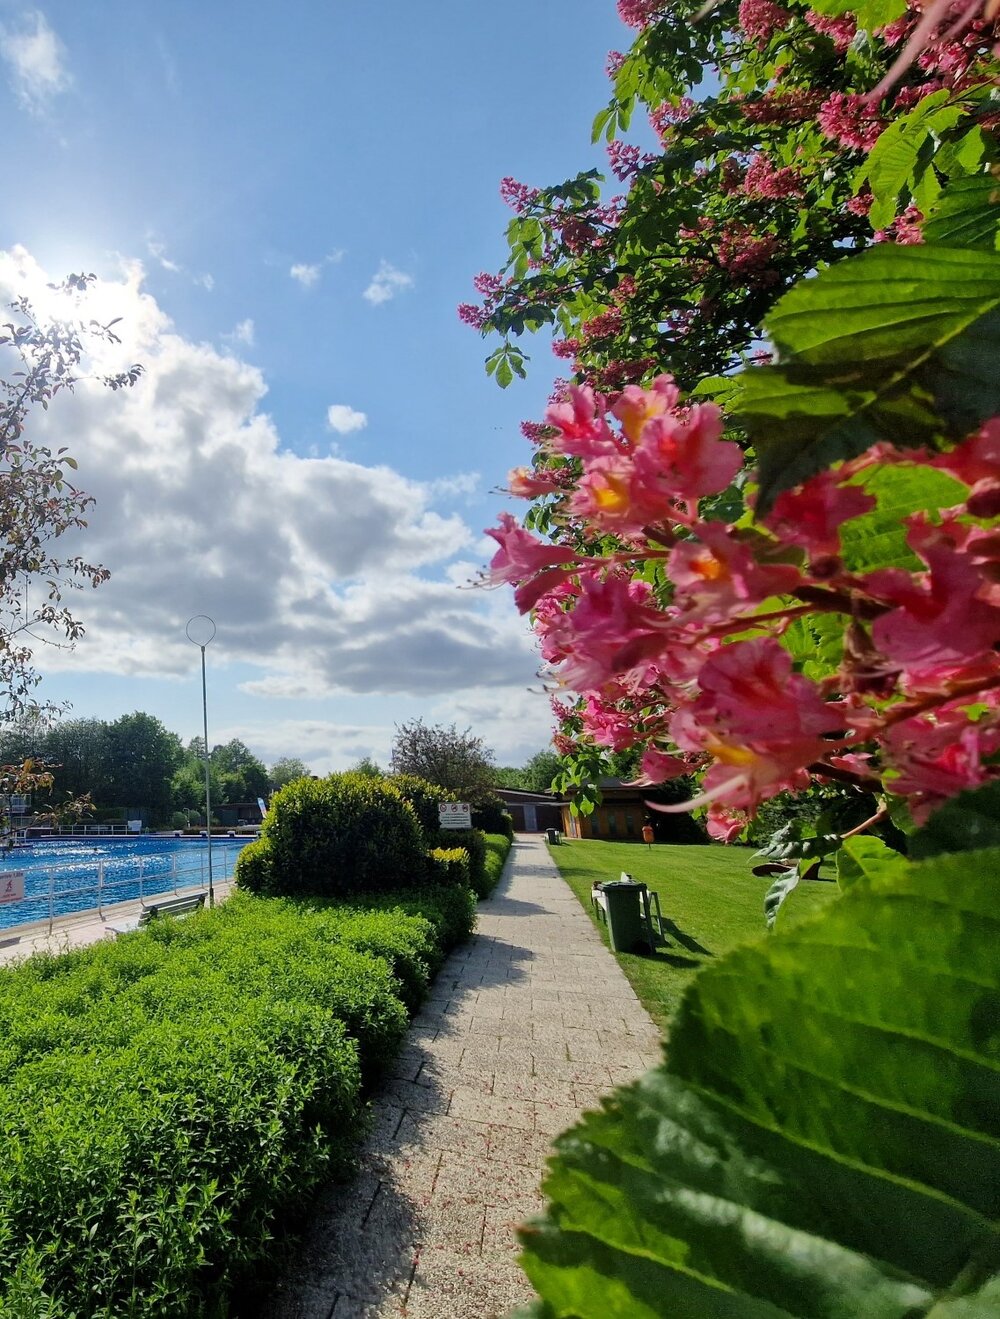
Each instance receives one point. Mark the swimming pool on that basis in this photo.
(63, 875)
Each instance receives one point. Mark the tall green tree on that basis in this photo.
(142, 758)
(286, 770)
(458, 761)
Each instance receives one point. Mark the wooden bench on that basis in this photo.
(172, 907)
(176, 906)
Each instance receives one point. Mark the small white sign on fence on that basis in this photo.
(11, 886)
(455, 815)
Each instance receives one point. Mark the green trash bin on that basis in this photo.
(627, 926)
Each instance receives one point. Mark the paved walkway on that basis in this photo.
(526, 1026)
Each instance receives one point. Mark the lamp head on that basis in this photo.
(200, 630)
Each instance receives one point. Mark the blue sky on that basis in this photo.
(286, 204)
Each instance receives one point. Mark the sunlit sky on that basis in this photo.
(285, 204)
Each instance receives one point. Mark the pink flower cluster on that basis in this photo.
(746, 255)
(841, 31)
(639, 13)
(760, 19)
(689, 659)
(518, 196)
(782, 106)
(851, 120)
(764, 180)
(666, 117)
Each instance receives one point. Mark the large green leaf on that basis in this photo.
(824, 1139)
(898, 344)
(878, 539)
(898, 161)
(965, 823)
(967, 214)
(870, 14)
(866, 856)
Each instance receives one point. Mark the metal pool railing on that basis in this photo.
(52, 892)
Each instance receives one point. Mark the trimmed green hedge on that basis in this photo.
(497, 848)
(166, 1100)
(338, 836)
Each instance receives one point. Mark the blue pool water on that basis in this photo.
(63, 875)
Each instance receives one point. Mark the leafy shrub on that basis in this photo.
(497, 848)
(473, 842)
(164, 1099)
(252, 870)
(336, 836)
(449, 865)
(450, 908)
(490, 814)
(425, 798)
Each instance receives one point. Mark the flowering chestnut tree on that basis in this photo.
(778, 573)
(784, 575)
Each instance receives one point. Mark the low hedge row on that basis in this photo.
(166, 1098)
(497, 848)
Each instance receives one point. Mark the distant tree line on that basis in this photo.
(136, 762)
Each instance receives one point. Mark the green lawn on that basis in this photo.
(709, 898)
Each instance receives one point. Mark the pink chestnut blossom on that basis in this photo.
(934, 756)
(615, 494)
(976, 461)
(659, 767)
(840, 30)
(723, 824)
(762, 724)
(812, 514)
(578, 419)
(521, 554)
(717, 576)
(851, 120)
(635, 406)
(527, 483)
(607, 725)
(608, 635)
(686, 448)
(939, 622)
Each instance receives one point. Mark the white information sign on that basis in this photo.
(455, 815)
(11, 885)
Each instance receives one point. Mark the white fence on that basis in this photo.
(53, 892)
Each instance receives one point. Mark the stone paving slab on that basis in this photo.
(527, 1025)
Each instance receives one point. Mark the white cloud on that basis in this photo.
(158, 251)
(242, 333)
(306, 275)
(325, 577)
(35, 57)
(343, 419)
(386, 283)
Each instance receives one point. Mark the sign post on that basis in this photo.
(12, 886)
(455, 815)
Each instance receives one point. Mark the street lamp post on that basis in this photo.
(200, 631)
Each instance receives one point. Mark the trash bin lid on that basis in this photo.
(620, 884)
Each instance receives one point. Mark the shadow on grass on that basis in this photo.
(688, 941)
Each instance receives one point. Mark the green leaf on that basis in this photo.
(966, 215)
(777, 894)
(965, 823)
(822, 1142)
(869, 857)
(898, 343)
(892, 163)
(816, 643)
(504, 373)
(878, 539)
(870, 14)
